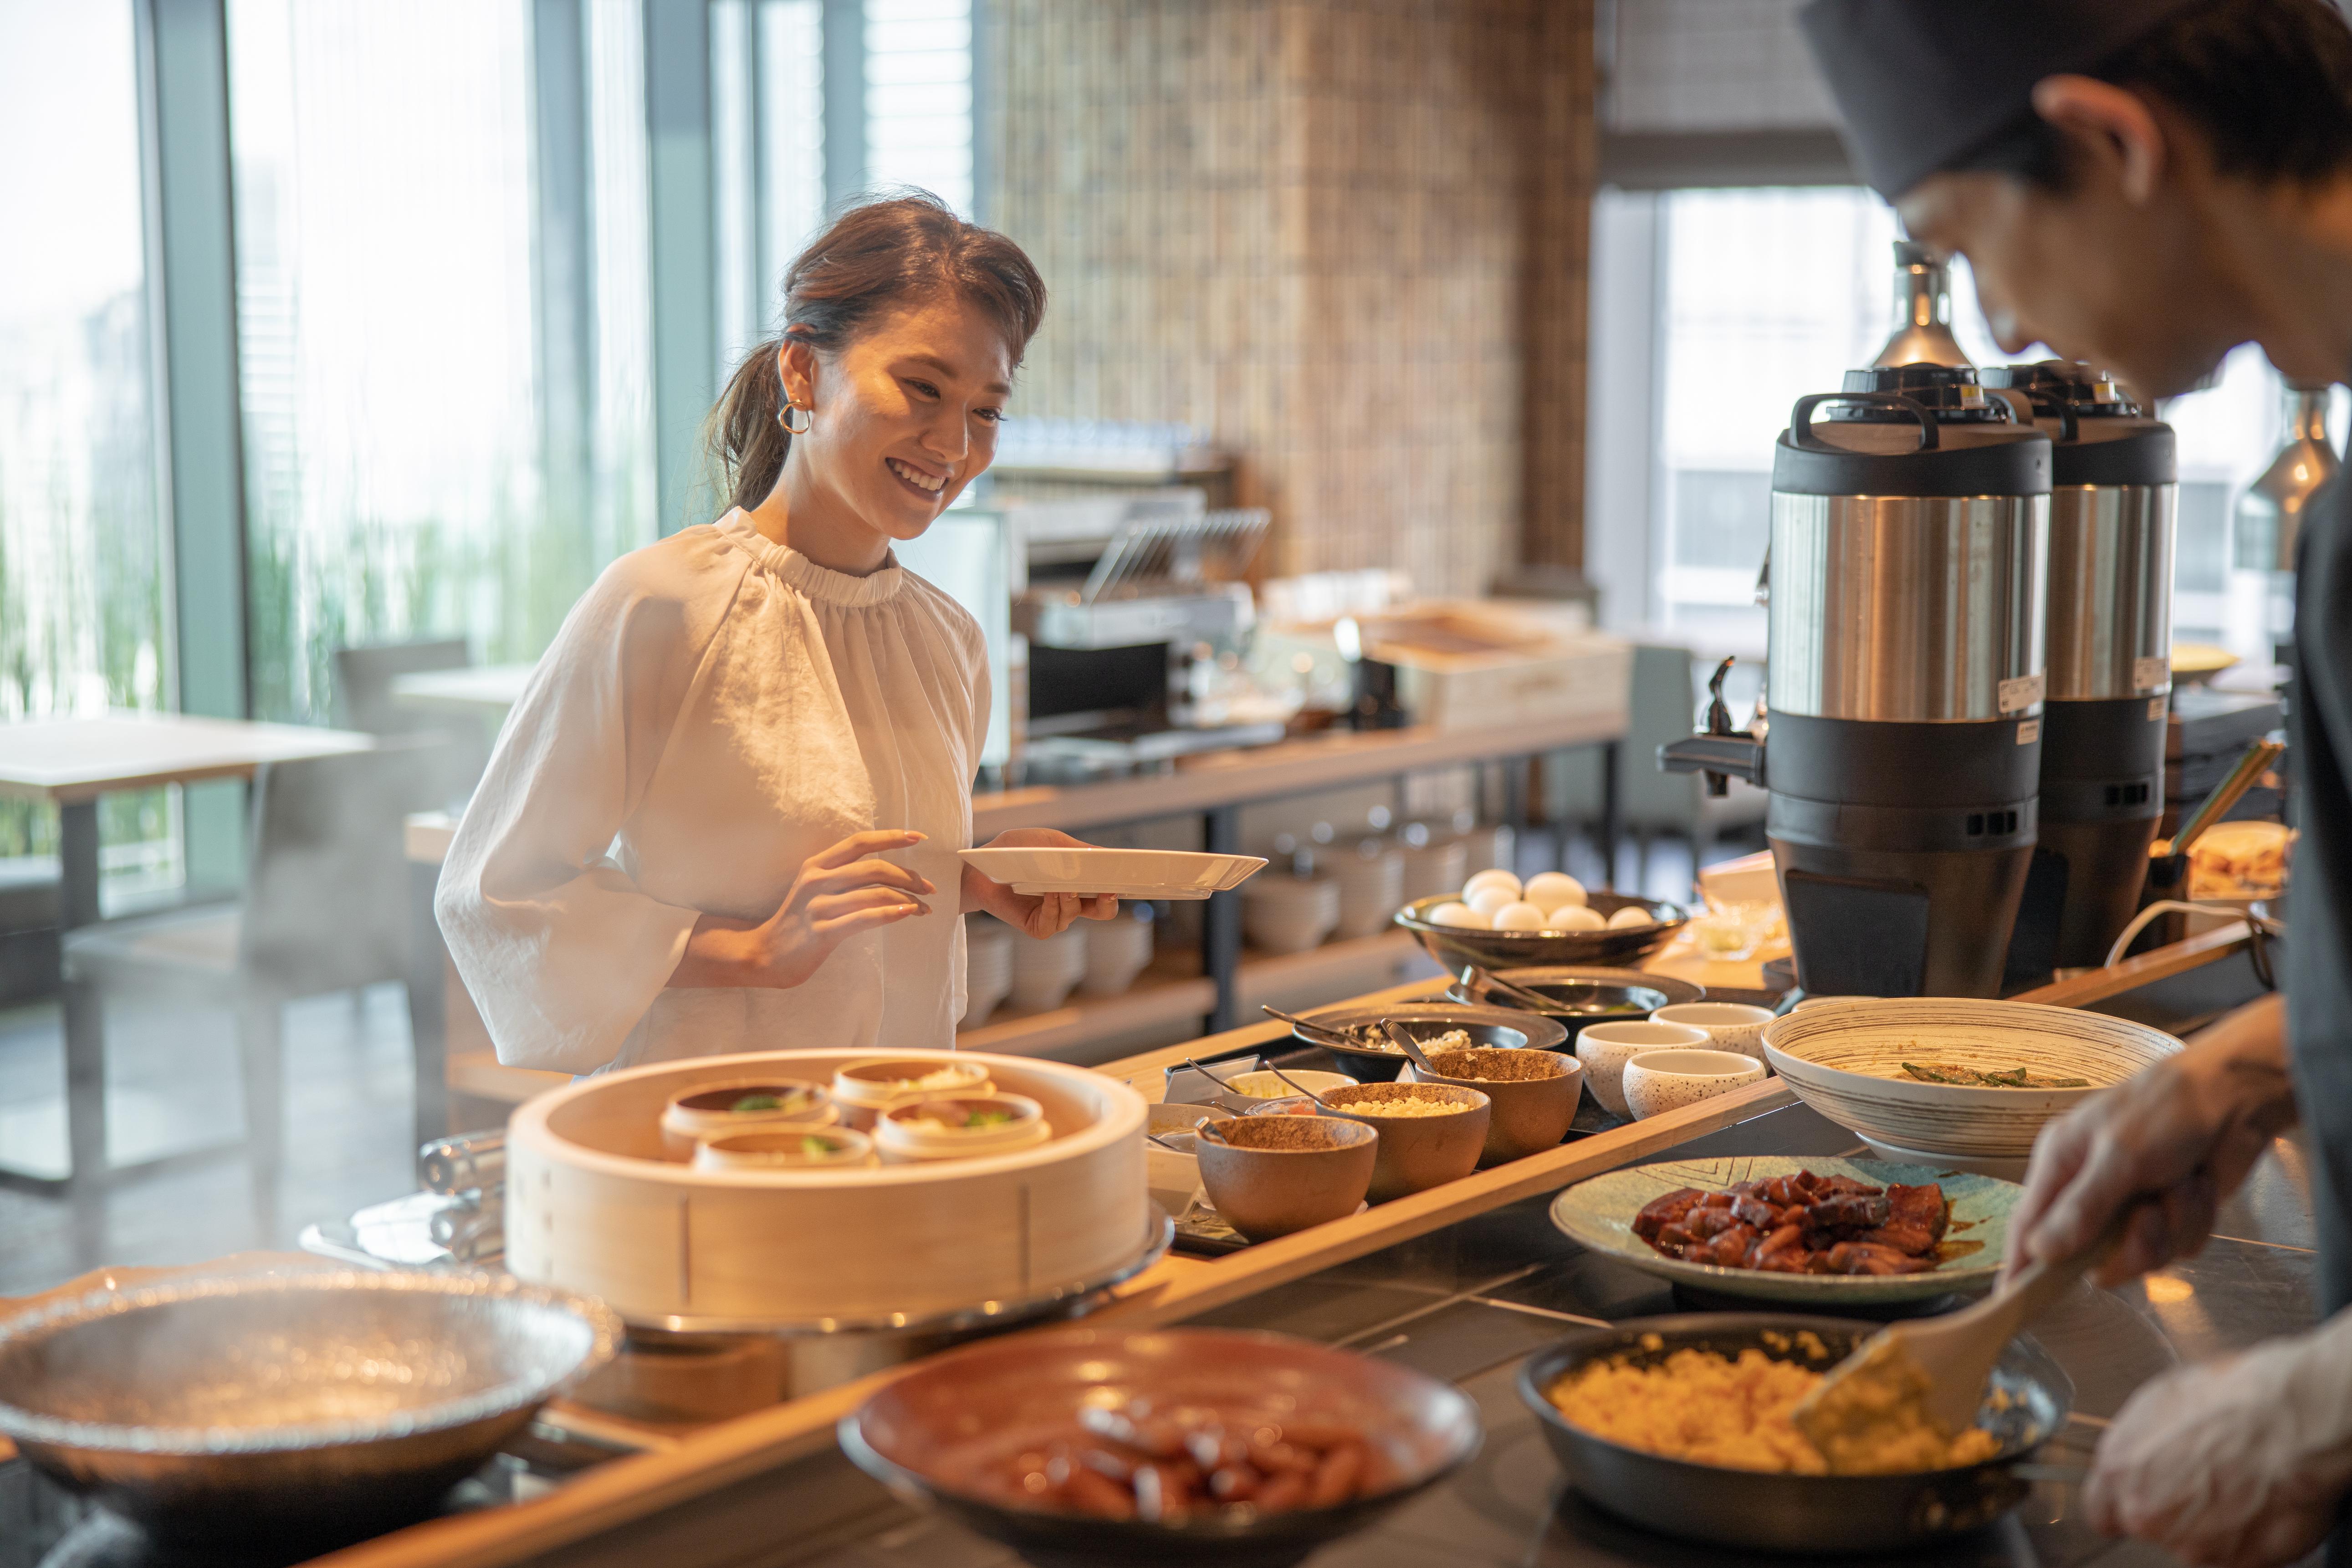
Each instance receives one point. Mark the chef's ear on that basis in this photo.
(797, 363)
(2111, 126)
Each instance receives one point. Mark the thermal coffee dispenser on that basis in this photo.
(1903, 743)
(2112, 500)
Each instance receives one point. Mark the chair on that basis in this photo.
(325, 910)
(363, 700)
(29, 917)
(1664, 705)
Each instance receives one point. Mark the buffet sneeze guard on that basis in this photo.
(1905, 691)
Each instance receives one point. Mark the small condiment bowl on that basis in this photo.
(1271, 1175)
(959, 1127)
(1661, 1081)
(786, 1148)
(1605, 1049)
(1535, 1094)
(1417, 1152)
(1264, 1084)
(866, 1087)
(707, 1111)
(1729, 1025)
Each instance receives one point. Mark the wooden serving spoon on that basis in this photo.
(1937, 1366)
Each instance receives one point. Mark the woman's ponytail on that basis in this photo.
(747, 440)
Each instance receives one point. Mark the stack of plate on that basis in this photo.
(1045, 970)
(1371, 876)
(1289, 914)
(1116, 951)
(1438, 867)
(987, 968)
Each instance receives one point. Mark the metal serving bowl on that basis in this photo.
(1811, 1515)
(306, 1405)
(1377, 1061)
(1457, 946)
(1583, 996)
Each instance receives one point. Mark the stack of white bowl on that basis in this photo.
(1116, 951)
(1371, 885)
(1288, 913)
(987, 968)
(1434, 867)
(1045, 970)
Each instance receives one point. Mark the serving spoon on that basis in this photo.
(1937, 1366)
(1402, 1038)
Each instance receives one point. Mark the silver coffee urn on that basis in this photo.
(1909, 529)
(2112, 501)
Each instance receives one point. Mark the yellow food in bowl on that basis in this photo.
(1711, 1409)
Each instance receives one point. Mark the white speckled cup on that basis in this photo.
(1729, 1025)
(1605, 1049)
(1661, 1081)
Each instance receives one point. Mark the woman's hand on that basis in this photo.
(839, 893)
(2174, 1140)
(1048, 914)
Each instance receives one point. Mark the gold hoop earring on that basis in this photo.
(784, 418)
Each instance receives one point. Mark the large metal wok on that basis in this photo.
(1804, 1514)
(308, 1407)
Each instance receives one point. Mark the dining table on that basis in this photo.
(70, 762)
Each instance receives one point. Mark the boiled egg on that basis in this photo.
(1491, 899)
(1574, 917)
(1495, 878)
(1553, 890)
(1521, 916)
(1461, 915)
(1630, 916)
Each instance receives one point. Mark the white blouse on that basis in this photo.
(716, 710)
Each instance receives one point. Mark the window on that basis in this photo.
(919, 106)
(401, 432)
(1761, 296)
(85, 576)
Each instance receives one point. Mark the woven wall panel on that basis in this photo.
(1346, 237)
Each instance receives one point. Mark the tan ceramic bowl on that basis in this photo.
(1535, 1095)
(1417, 1152)
(1271, 1175)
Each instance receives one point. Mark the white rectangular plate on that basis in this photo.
(1122, 873)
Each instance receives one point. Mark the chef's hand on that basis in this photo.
(2239, 1463)
(1048, 914)
(2176, 1141)
(839, 892)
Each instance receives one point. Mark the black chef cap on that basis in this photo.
(1922, 82)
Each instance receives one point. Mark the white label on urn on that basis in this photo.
(2151, 672)
(2019, 692)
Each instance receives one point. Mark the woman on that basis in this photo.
(719, 817)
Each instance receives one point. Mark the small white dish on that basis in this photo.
(786, 1148)
(1176, 874)
(1729, 1025)
(1605, 1049)
(864, 1087)
(959, 1127)
(710, 1109)
(1248, 1089)
(1661, 1081)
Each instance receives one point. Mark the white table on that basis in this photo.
(71, 762)
(484, 689)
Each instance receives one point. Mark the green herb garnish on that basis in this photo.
(816, 1148)
(757, 1102)
(987, 1118)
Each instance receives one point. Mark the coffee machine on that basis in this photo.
(2112, 500)
(1902, 722)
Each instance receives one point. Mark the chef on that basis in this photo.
(2146, 185)
(723, 814)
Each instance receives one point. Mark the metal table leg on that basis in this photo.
(85, 1021)
(1221, 923)
(1609, 815)
(428, 1006)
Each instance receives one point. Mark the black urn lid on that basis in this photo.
(2101, 436)
(1909, 430)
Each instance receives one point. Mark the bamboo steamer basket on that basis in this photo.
(594, 1207)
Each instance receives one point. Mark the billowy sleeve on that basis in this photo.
(560, 950)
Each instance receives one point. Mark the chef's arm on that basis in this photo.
(2172, 1142)
(2243, 1462)
(846, 890)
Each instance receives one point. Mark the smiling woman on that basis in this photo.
(714, 820)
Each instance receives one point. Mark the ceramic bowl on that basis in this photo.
(1271, 1175)
(1844, 1058)
(707, 1111)
(864, 1087)
(940, 1435)
(1661, 1081)
(959, 1127)
(1264, 1084)
(1605, 1049)
(786, 1148)
(1417, 1152)
(1535, 1095)
(1729, 1025)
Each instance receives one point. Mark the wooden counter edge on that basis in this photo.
(625, 1489)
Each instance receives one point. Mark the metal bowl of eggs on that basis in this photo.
(1497, 922)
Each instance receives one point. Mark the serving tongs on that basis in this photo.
(2226, 794)
(1473, 978)
(1321, 1034)
(1276, 1071)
